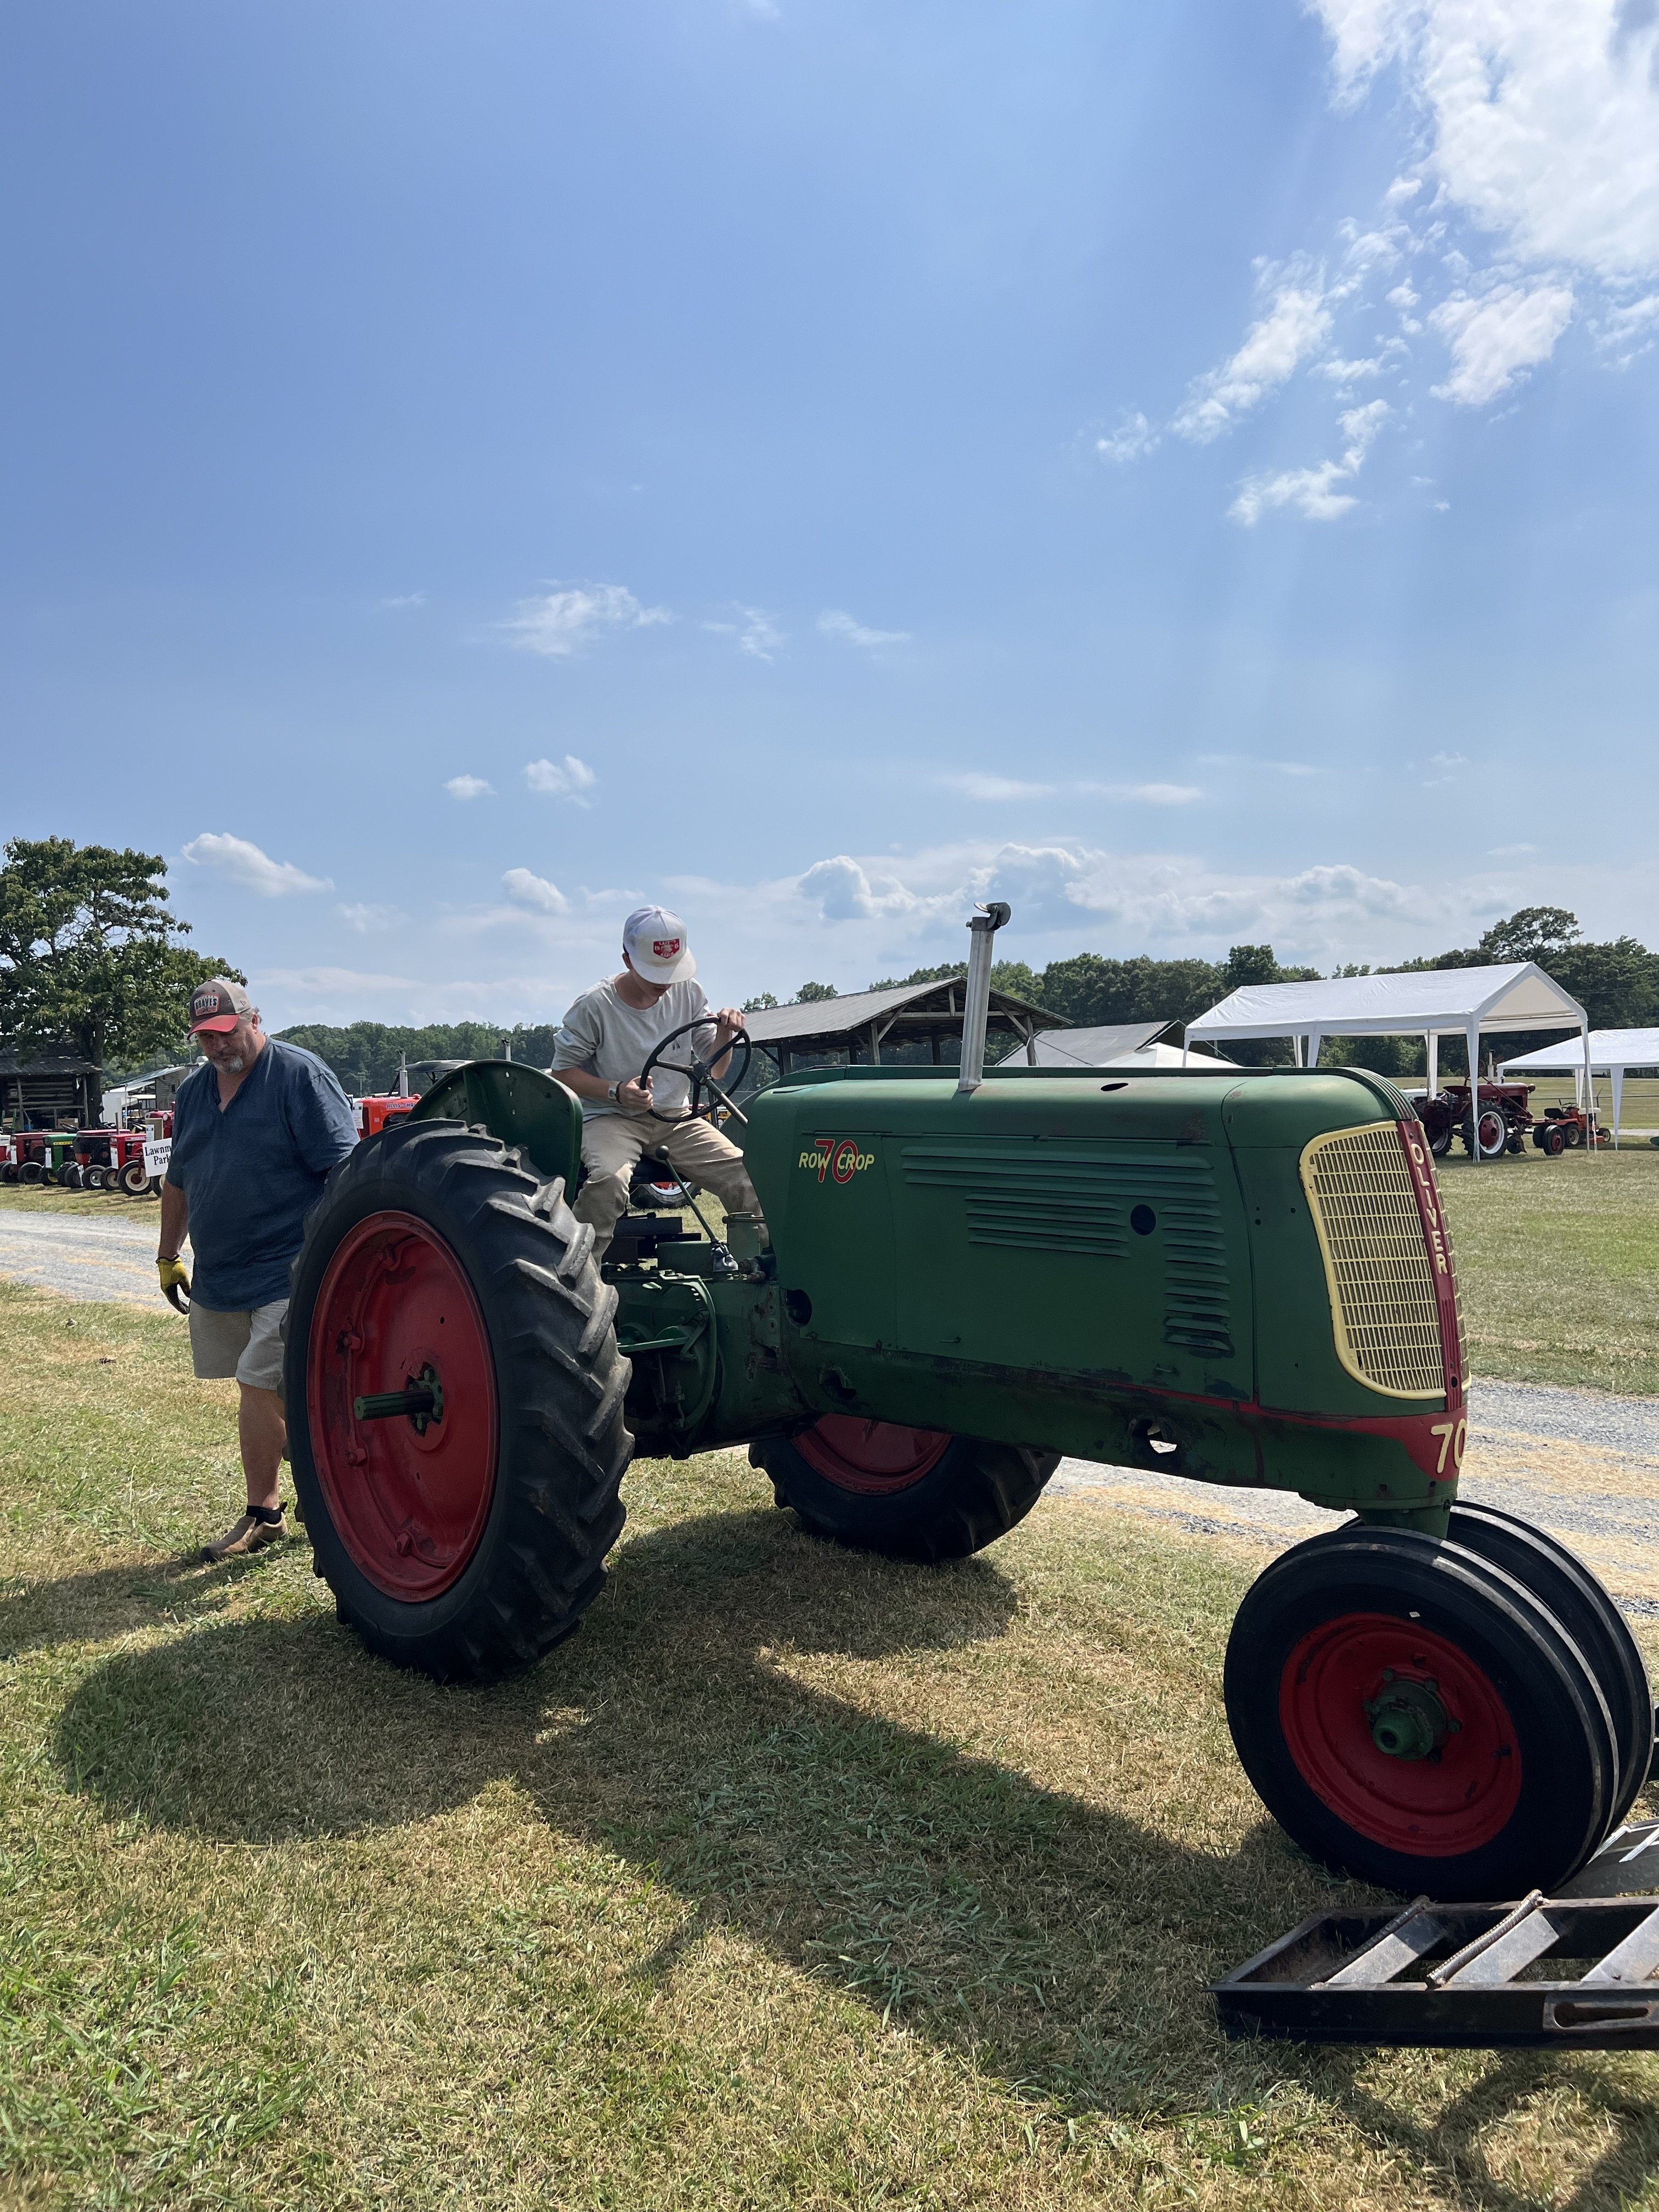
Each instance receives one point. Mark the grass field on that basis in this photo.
(797, 1880)
(1557, 1264)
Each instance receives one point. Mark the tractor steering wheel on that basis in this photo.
(695, 1067)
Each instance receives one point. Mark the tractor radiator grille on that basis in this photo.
(1063, 1200)
(1376, 1264)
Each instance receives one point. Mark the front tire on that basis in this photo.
(1412, 1714)
(908, 1493)
(467, 1541)
(1571, 1594)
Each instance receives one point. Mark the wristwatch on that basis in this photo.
(614, 1094)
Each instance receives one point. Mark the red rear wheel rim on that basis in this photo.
(1435, 1807)
(409, 1507)
(873, 1458)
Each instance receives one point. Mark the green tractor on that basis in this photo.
(1240, 1277)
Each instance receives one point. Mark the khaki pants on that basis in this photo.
(612, 1143)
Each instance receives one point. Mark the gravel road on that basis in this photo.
(81, 1258)
(1579, 1462)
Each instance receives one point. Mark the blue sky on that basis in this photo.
(1189, 470)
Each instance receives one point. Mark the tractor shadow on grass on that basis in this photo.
(111, 1601)
(1054, 1941)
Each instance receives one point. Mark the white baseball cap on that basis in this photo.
(654, 940)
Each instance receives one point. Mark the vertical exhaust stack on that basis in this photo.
(982, 925)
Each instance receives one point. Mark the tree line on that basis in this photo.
(94, 963)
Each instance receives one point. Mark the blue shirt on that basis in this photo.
(253, 1169)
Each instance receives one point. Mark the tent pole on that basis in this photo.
(1590, 1092)
(1616, 1078)
(1475, 1089)
(1432, 1068)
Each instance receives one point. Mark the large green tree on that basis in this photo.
(90, 957)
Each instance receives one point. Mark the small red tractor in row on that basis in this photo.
(80, 1159)
(1503, 1123)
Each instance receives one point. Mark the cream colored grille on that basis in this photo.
(1382, 1286)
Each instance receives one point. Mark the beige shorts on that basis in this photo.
(247, 1345)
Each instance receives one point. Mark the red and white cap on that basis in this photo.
(654, 941)
(219, 1005)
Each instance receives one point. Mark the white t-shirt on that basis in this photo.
(605, 1036)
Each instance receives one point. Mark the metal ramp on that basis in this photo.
(1547, 1972)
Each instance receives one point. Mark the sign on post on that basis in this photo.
(158, 1150)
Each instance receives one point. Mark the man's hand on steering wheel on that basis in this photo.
(729, 1037)
(634, 1096)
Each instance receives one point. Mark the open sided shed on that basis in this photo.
(1429, 1002)
(56, 1091)
(868, 1026)
(1612, 1053)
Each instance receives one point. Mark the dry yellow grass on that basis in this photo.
(797, 1879)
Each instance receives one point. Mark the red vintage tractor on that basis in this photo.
(1501, 1125)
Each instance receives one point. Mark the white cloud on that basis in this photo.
(1153, 794)
(1544, 116)
(1002, 790)
(834, 622)
(841, 892)
(404, 599)
(534, 893)
(1246, 760)
(255, 871)
(368, 920)
(1494, 337)
(570, 616)
(1313, 492)
(1294, 328)
(567, 779)
(470, 787)
(1624, 332)
(1348, 371)
(993, 789)
(1510, 852)
(1133, 437)
(756, 634)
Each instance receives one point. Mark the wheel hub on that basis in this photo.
(1408, 1718)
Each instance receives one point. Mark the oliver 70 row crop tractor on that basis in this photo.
(1241, 1277)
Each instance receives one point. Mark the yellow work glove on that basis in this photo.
(172, 1275)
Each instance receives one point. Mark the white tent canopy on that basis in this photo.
(1612, 1053)
(1428, 1002)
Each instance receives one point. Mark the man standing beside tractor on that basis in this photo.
(254, 1134)
(606, 1039)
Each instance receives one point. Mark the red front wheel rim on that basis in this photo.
(872, 1458)
(408, 1504)
(1366, 1680)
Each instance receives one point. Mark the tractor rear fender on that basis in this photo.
(518, 1103)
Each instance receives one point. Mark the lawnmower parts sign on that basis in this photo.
(836, 1159)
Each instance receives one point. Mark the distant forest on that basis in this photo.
(1617, 983)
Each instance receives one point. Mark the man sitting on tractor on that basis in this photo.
(606, 1039)
(255, 1132)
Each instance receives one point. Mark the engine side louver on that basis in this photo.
(1060, 1200)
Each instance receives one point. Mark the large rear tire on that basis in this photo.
(467, 1540)
(1412, 1714)
(1566, 1588)
(910, 1493)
